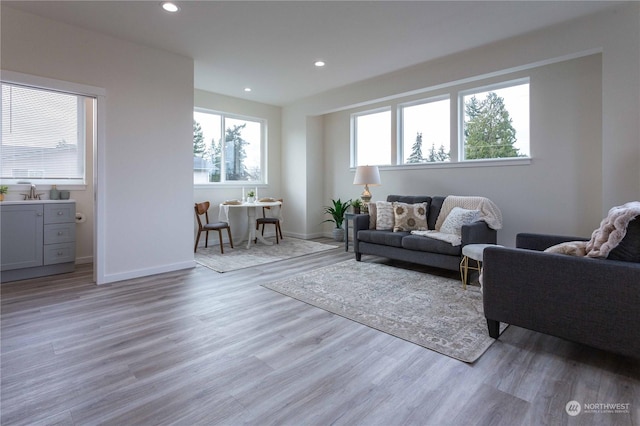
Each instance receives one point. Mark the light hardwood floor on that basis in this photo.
(198, 347)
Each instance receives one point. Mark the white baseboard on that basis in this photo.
(84, 259)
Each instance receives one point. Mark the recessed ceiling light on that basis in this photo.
(247, 89)
(170, 7)
(319, 64)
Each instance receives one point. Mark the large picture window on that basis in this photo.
(227, 148)
(495, 122)
(371, 133)
(43, 136)
(487, 123)
(425, 130)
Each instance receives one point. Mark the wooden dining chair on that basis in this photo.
(203, 209)
(268, 220)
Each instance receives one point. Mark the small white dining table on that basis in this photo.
(223, 215)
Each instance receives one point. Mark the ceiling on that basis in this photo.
(271, 46)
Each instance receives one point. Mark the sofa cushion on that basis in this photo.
(434, 210)
(384, 216)
(458, 217)
(409, 199)
(387, 238)
(628, 250)
(410, 217)
(431, 245)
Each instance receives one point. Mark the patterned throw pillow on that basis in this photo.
(410, 217)
(458, 217)
(384, 216)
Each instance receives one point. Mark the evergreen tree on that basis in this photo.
(437, 156)
(488, 131)
(199, 146)
(235, 154)
(416, 150)
(216, 160)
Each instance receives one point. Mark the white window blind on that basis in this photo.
(43, 136)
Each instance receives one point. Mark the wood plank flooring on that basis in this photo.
(197, 347)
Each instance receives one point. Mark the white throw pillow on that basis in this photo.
(458, 217)
(384, 216)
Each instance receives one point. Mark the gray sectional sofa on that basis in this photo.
(414, 248)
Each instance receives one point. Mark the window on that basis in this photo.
(492, 122)
(495, 122)
(235, 157)
(425, 131)
(371, 133)
(43, 136)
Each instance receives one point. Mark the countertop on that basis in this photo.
(16, 202)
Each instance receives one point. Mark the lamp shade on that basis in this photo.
(367, 175)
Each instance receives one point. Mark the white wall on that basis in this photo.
(613, 160)
(217, 194)
(147, 176)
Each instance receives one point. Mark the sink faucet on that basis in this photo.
(32, 195)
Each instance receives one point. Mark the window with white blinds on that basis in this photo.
(43, 136)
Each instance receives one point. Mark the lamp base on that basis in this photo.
(366, 195)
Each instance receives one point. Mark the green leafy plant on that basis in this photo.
(357, 203)
(251, 194)
(4, 189)
(337, 211)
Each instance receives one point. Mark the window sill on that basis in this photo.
(498, 162)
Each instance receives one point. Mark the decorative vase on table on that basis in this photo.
(250, 199)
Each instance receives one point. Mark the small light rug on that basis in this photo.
(431, 311)
(240, 257)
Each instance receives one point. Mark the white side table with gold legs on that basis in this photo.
(474, 252)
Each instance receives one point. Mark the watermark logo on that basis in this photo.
(573, 408)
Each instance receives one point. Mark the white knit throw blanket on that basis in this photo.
(489, 212)
(612, 229)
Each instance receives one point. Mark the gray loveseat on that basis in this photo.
(591, 301)
(414, 248)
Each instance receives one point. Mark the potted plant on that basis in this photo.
(337, 211)
(3, 190)
(357, 205)
(251, 196)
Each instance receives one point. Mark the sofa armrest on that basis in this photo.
(542, 242)
(478, 233)
(591, 301)
(360, 222)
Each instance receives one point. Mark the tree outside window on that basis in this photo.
(496, 123)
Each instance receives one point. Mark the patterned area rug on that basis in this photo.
(428, 310)
(240, 258)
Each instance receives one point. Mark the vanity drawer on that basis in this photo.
(59, 213)
(59, 233)
(59, 253)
